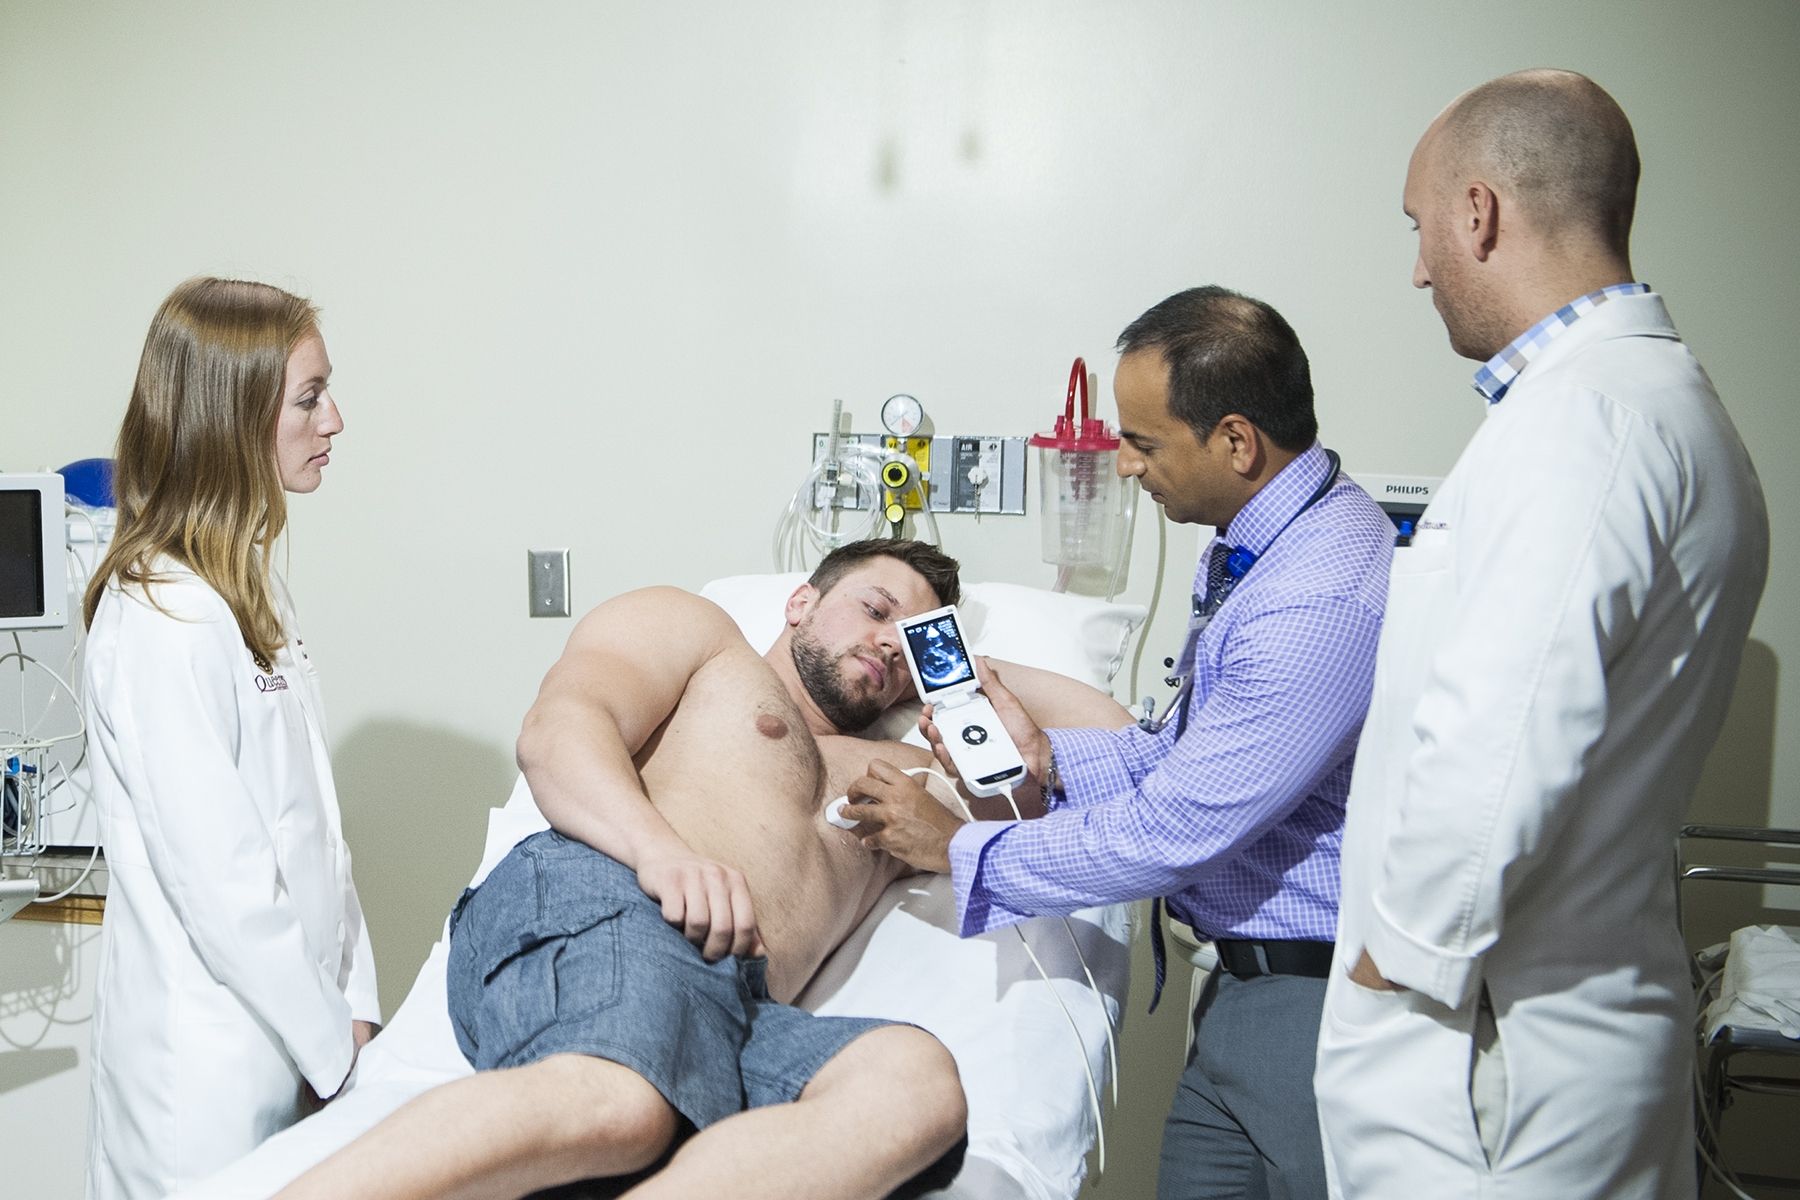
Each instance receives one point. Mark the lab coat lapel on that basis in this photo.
(305, 688)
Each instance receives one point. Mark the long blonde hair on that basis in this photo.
(197, 478)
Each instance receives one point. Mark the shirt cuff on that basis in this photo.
(976, 911)
(1442, 975)
(364, 1007)
(1090, 766)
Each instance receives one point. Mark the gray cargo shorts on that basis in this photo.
(560, 951)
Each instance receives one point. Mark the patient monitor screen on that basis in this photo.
(21, 554)
(937, 647)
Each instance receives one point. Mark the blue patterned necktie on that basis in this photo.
(1219, 581)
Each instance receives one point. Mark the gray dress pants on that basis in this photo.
(1244, 1123)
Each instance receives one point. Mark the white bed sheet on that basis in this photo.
(1030, 1119)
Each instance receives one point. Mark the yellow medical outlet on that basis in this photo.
(919, 450)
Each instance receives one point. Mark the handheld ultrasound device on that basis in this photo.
(944, 673)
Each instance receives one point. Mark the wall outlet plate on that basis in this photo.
(549, 583)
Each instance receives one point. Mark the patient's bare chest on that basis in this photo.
(736, 747)
(741, 780)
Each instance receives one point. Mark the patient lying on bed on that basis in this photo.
(632, 968)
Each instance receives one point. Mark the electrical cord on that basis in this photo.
(1112, 1048)
(1112, 1045)
(26, 734)
(28, 739)
(1093, 1087)
(1162, 557)
(1087, 1068)
(93, 858)
(28, 744)
(1709, 1131)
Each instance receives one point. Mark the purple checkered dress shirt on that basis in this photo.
(1237, 816)
(1497, 373)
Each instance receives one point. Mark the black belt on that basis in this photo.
(1248, 959)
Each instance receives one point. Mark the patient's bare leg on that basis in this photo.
(503, 1134)
(885, 1108)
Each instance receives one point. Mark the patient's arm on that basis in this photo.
(619, 678)
(1058, 702)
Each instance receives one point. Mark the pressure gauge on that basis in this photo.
(902, 415)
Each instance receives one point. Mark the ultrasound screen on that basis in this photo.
(938, 649)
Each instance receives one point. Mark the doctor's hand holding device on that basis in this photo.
(235, 970)
(969, 730)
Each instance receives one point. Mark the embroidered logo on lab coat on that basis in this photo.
(271, 683)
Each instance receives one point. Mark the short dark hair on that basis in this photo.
(1229, 353)
(939, 569)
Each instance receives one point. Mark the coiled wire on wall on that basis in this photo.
(809, 530)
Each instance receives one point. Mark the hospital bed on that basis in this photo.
(1030, 1117)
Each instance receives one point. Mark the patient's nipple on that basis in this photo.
(771, 726)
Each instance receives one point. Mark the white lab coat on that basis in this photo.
(234, 953)
(1561, 642)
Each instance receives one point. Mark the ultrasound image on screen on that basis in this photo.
(938, 649)
(21, 555)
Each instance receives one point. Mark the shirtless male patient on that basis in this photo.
(626, 977)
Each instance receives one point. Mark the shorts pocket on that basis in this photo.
(535, 947)
(547, 980)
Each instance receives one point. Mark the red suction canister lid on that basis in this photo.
(1088, 434)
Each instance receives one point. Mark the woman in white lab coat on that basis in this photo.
(236, 982)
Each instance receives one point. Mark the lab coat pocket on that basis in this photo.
(1392, 1087)
(1489, 1095)
(1421, 602)
(1353, 1008)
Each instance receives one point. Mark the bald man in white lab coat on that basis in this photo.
(1509, 1013)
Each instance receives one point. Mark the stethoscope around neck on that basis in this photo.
(1237, 565)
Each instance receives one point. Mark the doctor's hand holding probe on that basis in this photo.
(886, 800)
(1230, 811)
(236, 979)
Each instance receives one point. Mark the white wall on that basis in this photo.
(583, 263)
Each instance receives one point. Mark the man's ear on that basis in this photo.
(800, 603)
(1243, 443)
(1481, 220)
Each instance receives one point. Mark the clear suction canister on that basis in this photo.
(1082, 500)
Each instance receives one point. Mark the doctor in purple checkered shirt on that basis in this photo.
(1231, 812)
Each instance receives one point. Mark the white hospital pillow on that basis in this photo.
(1083, 637)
